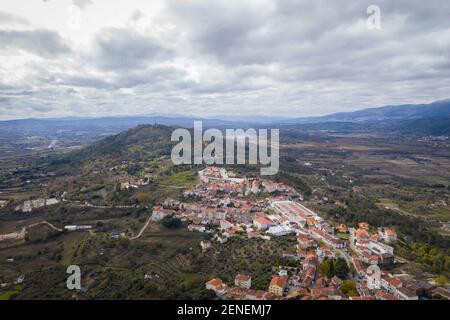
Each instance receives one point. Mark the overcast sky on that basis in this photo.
(208, 58)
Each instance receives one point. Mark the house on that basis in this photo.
(322, 282)
(382, 295)
(127, 185)
(327, 238)
(324, 291)
(324, 226)
(388, 235)
(336, 281)
(196, 228)
(30, 205)
(159, 213)
(342, 228)
(263, 223)
(302, 254)
(226, 201)
(243, 281)
(379, 248)
(117, 234)
(171, 203)
(224, 224)
(255, 187)
(364, 225)
(359, 268)
(291, 256)
(309, 275)
(323, 253)
(3, 203)
(361, 298)
(312, 260)
(277, 285)
(280, 230)
(395, 286)
(362, 234)
(221, 239)
(236, 293)
(441, 292)
(217, 286)
(230, 233)
(304, 243)
(376, 237)
(257, 295)
(270, 186)
(390, 283)
(406, 294)
(205, 244)
(294, 281)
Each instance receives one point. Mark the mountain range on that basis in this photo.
(433, 118)
(386, 113)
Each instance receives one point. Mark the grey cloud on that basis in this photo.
(40, 42)
(17, 93)
(240, 57)
(82, 3)
(7, 19)
(156, 77)
(122, 49)
(82, 81)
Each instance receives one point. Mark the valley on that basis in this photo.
(114, 185)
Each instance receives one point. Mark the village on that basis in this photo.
(221, 205)
(224, 206)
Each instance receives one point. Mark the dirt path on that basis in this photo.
(44, 222)
(142, 230)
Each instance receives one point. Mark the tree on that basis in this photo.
(349, 288)
(341, 268)
(144, 197)
(171, 223)
(326, 268)
(205, 294)
(441, 280)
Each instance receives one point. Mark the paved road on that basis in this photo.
(345, 255)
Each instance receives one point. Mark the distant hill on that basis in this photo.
(387, 113)
(434, 126)
(143, 140)
(58, 127)
(391, 118)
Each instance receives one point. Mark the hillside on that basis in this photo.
(386, 113)
(143, 140)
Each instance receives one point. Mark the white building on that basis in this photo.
(243, 281)
(76, 227)
(205, 244)
(280, 230)
(373, 277)
(196, 228)
(217, 286)
(159, 213)
(263, 223)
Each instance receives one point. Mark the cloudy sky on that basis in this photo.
(222, 57)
